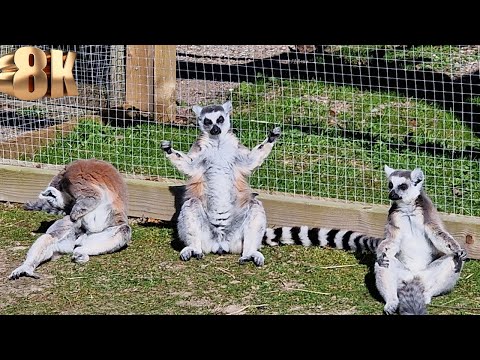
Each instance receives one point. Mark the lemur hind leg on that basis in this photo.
(247, 237)
(107, 241)
(59, 239)
(193, 230)
(390, 273)
(441, 275)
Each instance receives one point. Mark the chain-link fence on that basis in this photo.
(345, 112)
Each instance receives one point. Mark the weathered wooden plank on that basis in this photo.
(157, 200)
(139, 77)
(165, 82)
(29, 142)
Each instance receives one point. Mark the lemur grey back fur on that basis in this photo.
(220, 213)
(416, 260)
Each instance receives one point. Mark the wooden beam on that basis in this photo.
(139, 77)
(158, 200)
(29, 142)
(165, 82)
(117, 86)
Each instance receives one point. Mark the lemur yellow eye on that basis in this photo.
(390, 185)
(207, 122)
(220, 120)
(403, 187)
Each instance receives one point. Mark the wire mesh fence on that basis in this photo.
(345, 112)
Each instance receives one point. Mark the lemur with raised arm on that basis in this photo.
(220, 213)
(92, 196)
(416, 260)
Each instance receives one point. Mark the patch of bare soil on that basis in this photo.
(197, 303)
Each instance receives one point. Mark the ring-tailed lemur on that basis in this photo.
(220, 213)
(92, 195)
(417, 259)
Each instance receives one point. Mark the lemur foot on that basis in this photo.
(428, 299)
(274, 134)
(23, 270)
(390, 307)
(79, 257)
(462, 254)
(257, 258)
(166, 146)
(79, 240)
(458, 258)
(188, 251)
(383, 261)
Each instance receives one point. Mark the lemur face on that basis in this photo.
(214, 119)
(404, 185)
(55, 198)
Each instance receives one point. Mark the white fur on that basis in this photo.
(269, 235)
(322, 236)
(416, 250)
(56, 199)
(95, 220)
(412, 246)
(216, 222)
(303, 235)
(338, 239)
(388, 170)
(287, 236)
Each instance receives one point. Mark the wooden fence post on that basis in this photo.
(165, 82)
(139, 77)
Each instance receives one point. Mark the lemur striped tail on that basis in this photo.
(410, 298)
(334, 238)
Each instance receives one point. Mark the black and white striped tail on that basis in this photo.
(411, 300)
(334, 238)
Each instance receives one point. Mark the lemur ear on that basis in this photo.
(417, 176)
(47, 192)
(388, 170)
(227, 107)
(197, 110)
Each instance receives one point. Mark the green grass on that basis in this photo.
(475, 100)
(34, 111)
(445, 58)
(149, 278)
(316, 160)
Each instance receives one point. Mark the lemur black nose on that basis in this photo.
(215, 130)
(392, 195)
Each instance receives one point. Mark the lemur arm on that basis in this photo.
(85, 204)
(185, 163)
(442, 240)
(390, 246)
(259, 153)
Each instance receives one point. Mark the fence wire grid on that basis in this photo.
(345, 112)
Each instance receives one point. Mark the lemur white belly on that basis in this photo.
(417, 250)
(220, 189)
(220, 197)
(96, 220)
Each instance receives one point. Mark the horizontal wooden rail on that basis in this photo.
(157, 200)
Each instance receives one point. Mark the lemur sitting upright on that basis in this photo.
(417, 259)
(220, 213)
(92, 196)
